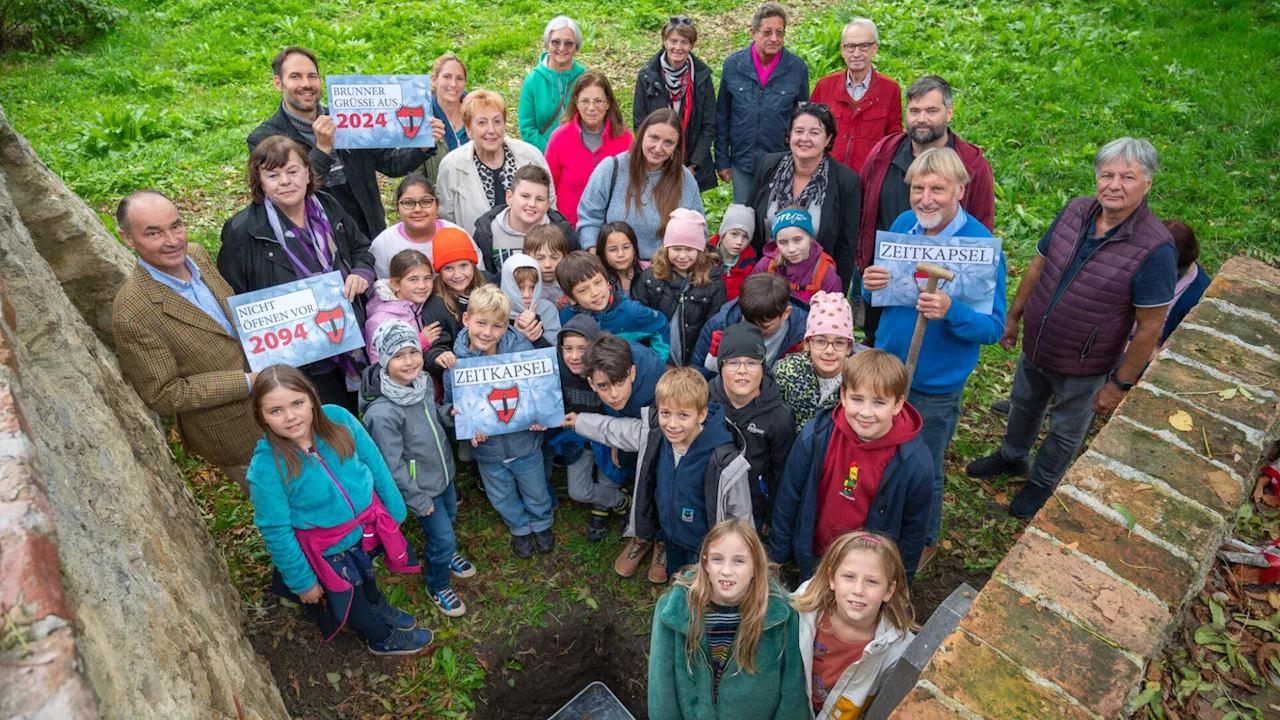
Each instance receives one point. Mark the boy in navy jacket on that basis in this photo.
(582, 279)
(861, 466)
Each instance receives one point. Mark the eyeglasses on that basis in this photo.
(773, 33)
(675, 20)
(820, 343)
(864, 47)
(740, 364)
(590, 102)
(562, 44)
(424, 203)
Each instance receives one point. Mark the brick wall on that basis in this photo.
(1069, 619)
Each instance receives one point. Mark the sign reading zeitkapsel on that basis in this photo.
(380, 111)
(975, 261)
(499, 394)
(295, 323)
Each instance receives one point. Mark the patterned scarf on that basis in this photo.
(496, 195)
(784, 180)
(404, 395)
(679, 87)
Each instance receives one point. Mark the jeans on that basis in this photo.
(1069, 419)
(517, 489)
(742, 185)
(584, 489)
(441, 545)
(939, 414)
(678, 556)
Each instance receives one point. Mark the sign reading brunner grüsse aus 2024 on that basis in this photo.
(295, 323)
(500, 394)
(380, 111)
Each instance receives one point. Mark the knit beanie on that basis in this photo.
(793, 217)
(829, 314)
(393, 336)
(739, 217)
(450, 245)
(687, 228)
(741, 340)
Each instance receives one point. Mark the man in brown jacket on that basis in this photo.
(175, 339)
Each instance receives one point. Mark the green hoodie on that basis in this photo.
(540, 96)
(775, 691)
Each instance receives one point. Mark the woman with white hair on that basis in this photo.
(547, 88)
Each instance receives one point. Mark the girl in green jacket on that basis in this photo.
(725, 640)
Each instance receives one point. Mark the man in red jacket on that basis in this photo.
(866, 104)
(885, 194)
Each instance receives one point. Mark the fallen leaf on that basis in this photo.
(1142, 486)
(1267, 652)
(1002, 498)
(1071, 546)
(1222, 484)
(1024, 601)
(1109, 603)
(1228, 393)
(1273, 599)
(1128, 516)
(1245, 392)
(1180, 420)
(945, 544)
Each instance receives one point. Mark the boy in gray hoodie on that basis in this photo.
(397, 400)
(536, 318)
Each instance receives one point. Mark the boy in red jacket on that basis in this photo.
(733, 243)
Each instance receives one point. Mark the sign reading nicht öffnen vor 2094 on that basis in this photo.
(295, 323)
(380, 111)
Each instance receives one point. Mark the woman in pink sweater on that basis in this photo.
(591, 130)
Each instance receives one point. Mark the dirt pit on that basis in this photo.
(547, 666)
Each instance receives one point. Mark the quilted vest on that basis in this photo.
(1085, 332)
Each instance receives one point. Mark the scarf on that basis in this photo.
(504, 176)
(679, 87)
(784, 183)
(337, 174)
(403, 395)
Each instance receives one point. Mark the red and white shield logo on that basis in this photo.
(410, 118)
(333, 323)
(504, 402)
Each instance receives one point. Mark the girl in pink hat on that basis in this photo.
(810, 381)
(685, 282)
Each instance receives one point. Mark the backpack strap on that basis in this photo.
(825, 263)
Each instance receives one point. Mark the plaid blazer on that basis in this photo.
(182, 362)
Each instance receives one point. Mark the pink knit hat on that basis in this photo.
(829, 314)
(687, 228)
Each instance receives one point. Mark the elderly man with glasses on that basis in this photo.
(867, 105)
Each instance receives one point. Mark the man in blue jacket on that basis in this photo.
(759, 86)
(956, 332)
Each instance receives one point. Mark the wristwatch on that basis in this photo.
(1125, 386)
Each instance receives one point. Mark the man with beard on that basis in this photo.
(885, 194)
(938, 183)
(348, 175)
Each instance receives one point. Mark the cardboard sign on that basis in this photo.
(500, 394)
(296, 323)
(975, 262)
(380, 111)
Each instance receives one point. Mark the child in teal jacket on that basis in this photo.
(323, 497)
(725, 640)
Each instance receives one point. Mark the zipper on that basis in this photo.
(435, 435)
(884, 483)
(680, 311)
(316, 455)
(1044, 319)
(1088, 343)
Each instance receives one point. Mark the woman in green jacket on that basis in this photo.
(547, 88)
(725, 640)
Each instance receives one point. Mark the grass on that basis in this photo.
(167, 99)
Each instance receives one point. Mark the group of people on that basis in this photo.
(716, 394)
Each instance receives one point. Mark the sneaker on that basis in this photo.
(597, 526)
(629, 560)
(995, 464)
(394, 616)
(658, 565)
(448, 602)
(403, 642)
(1029, 500)
(522, 546)
(1001, 407)
(460, 567)
(545, 541)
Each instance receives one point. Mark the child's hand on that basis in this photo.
(532, 332)
(569, 420)
(447, 360)
(429, 334)
(429, 510)
(537, 428)
(875, 278)
(526, 318)
(316, 592)
(453, 411)
(479, 438)
(613, 455)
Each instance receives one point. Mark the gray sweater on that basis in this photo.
(597, 206)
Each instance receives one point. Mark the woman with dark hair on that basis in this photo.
(675, 78)
(808, 177)
(642, 187)
(591, 130)
(292, 231)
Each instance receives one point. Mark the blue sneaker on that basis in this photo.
(403, 642)
(394, 616)
(460, 567)
(448, 602)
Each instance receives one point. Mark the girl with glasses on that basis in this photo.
(419, 212)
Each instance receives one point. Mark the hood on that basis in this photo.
(886, 633)
(382, 290)
(511, 341)
(648, 371)
(512, 290)
(715, 431)
(583, 325)
(674, 613)
(906, 426)
(770, 397)
(370, 386)
(748, 254)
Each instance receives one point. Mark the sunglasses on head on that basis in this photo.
(675, 20)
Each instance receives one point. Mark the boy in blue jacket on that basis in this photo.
(861, 466)
(511, 465)
(956, 332)
(692, 472)
(582, 278)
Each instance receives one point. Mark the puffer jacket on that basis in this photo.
(687, 310)
(651, 94)
(412, 440)
(798, 382)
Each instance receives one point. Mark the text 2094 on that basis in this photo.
(273, 339)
